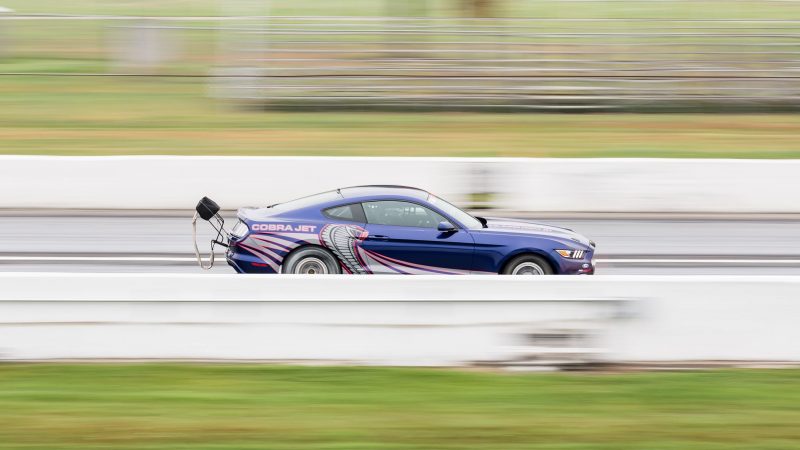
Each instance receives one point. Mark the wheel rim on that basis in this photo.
(528, 268)
(311, 266)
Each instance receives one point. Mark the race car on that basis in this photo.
(390, 230)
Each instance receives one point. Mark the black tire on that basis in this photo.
(527, 265)
(311, 261)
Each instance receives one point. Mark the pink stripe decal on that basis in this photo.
(291, 237)
(418, 266)
(378, 258)
(274, 242)
(357, 250)
(264, 257)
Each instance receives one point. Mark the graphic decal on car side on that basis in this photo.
(343, 241)
(283, 227)
(271, 247)
(270, 259)
(407, 268)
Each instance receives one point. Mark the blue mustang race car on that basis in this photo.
(391, 230)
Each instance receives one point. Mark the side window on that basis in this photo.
(404, 214)
(351, 213)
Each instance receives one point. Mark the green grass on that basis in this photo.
(273, 407)
(508, 8)
(97, 116)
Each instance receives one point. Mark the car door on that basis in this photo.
(403, 238)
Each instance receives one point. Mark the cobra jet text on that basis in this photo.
(284, 227)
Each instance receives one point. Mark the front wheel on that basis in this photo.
(528, 265)
(311, 261)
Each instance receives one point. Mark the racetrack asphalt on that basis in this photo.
(161, 241)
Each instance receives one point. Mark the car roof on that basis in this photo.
(353, 193)
(370, 190)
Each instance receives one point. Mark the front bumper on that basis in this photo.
(585, 266)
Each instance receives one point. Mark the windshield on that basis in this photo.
(452, 211)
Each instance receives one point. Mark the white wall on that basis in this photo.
(651, 185)
(521, 184)
(177, 182)
(391, 320)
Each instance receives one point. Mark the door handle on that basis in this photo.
(378, 237)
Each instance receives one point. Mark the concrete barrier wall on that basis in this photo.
(650, 185)
(173, 182)
(426, 320)
(520, 184)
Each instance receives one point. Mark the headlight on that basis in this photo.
(572, 254)
(240, 229)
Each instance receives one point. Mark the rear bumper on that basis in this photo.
(243, 261)
(232, 262)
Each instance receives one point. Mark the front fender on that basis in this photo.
(549, 257)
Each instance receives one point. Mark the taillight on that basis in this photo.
(240, 230)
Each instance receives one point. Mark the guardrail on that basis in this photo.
(425, 320)
(517, 184)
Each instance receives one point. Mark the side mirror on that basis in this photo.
(446, 227)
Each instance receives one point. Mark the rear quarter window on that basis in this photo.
(350, 213)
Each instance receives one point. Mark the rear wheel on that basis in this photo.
(528, 265)
(311, 261)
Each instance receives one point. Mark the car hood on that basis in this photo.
(494, 224)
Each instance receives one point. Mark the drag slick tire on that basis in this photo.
(527, 265)
(311, 261)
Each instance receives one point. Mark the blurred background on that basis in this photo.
(562, 78)
(665, 130)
